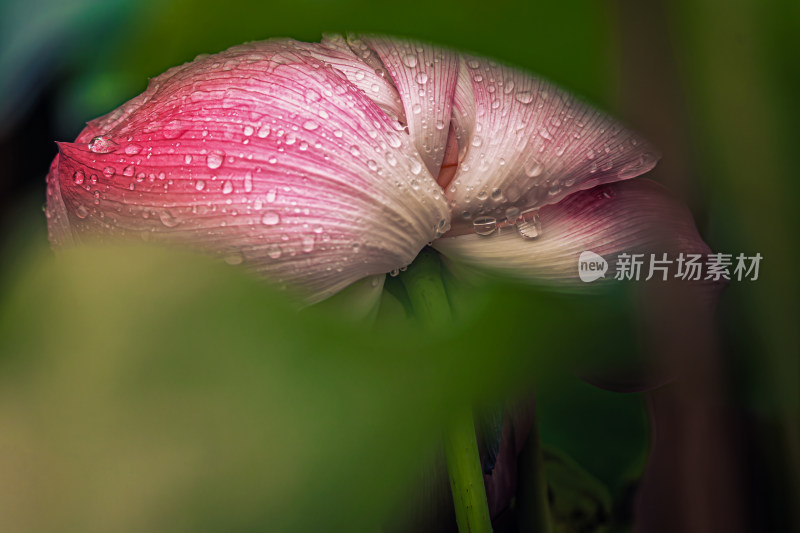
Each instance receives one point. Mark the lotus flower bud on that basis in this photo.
(320, 164)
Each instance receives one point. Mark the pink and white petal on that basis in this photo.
(334, 50)
(425, 76)
(532, 143)
(233, 154)
(626, 217)
(464, 109)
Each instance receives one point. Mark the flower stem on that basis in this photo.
(426, 292)
(466, 477)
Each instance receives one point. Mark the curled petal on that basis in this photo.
(370, 77)
(527, 143)
(262, 154)
(425, 76)
(633, 217)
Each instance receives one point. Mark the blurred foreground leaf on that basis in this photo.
(151, 390)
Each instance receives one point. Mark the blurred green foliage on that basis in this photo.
(149, 389)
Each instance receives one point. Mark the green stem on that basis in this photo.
(426, 292)
(466, 477)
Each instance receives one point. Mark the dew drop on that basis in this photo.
(173, 130)
(530, 227)
(394, 140)
(410, 60)
(473, 63)
(248, 182)
(214, 159)
(524, 97)
(308, 243)
(200, 185)
(78, 177)
(133, 149)
(263, 131)
(82, 212)
(168, 219)
(249, 130)
(227, 187)
(270, 218)
(187, 158)
(533, 168)
(512, 214)
(102, 145)
(274, 251)
(109, 171)
(129, 171)
(484, 225)
(310, 125)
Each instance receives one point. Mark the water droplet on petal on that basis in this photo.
(227, 187)
(200, 185)
(214, 159)
(310, 125)
(533, 168)
(484, 225)
(133, 149)
(172, 130)
(270, 218)
(249, 130)
(102, 144)
(530, 227)
(78, 177)
(308, 243)
(512, 214)
(168, 219)
(422, 78)
(524, 97)
(129, 171)
(410, 60)
(274, 251)
(82, 212)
